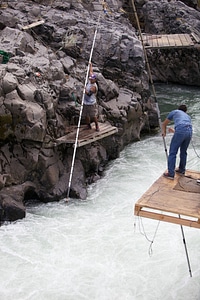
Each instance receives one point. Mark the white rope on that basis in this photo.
(81, 110)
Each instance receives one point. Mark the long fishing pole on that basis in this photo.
(186, 251)
(81, 110)
(159, 118)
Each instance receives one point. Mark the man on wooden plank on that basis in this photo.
(181, 139)
(90, 110)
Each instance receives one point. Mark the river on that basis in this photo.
(97, 249)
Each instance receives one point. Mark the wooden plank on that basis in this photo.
(176, 41)
(164, 198)
(33, 25)
(146, 40)
(195, 37)
(96, 136)
(164, 42)
(169, 219)
(157, 40)
(86, 136)
(3, 5)
(168, 41)
(186, 40)
(153, 41)
(183, 40)
(189, 39)
(167, 199)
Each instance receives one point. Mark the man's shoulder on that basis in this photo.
(171, 114)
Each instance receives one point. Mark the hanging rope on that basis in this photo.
(81, 110)
(194, 148)
(142, 231)
(159, 119)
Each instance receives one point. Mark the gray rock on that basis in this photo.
(9, 83)
(29, 119)
(12, 40)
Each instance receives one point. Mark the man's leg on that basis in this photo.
(183, 152)
(96, 123)
(87, 121)
(174, 146)
(94, 113)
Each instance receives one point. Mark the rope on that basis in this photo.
(195, 151)
(159, 119)
(142, 231)
(150, 76)
(81, 110)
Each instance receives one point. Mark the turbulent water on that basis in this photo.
(97, 249)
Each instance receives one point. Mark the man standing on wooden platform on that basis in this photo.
(90, 111)
(181, 139)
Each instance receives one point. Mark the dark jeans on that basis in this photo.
(180, 139)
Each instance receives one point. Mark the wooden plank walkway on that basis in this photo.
(174, 201)
(161, 41)
(86, 136)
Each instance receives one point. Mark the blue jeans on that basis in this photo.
(180, 139)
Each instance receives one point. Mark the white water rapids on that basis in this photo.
(94, 249)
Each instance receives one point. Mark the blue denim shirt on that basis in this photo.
(180, 118)
(90, 100)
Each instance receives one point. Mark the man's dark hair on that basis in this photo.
(183, 107)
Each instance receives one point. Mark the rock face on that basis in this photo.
(172, 17)
(43, 72)
(42, 78)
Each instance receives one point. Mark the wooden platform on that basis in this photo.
(174, 201)
(86, 136)
(161, 41)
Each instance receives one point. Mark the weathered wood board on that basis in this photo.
(33, 25)
(172, 201)
(154, 41)
(86, 136)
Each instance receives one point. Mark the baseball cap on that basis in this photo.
(92, 76)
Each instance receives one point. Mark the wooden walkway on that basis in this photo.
(86, 136)
(174, 201)
(162, 41)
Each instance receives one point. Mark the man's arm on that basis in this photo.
(171, 130)
(164, 127)
(91, 69)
